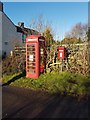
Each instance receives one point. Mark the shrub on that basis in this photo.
(12, 65)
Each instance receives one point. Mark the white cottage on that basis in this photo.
(10, 34)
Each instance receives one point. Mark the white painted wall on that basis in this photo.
(10, 36)
(0, 33)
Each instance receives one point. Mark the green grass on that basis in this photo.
(64, 83)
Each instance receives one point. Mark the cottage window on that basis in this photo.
(6, 43)
(23, 38)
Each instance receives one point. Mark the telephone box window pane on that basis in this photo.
(42, 52)
(31, 58)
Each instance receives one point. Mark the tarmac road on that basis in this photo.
(25, 103)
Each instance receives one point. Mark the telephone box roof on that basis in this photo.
(34, 38)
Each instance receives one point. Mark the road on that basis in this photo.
(26, 103)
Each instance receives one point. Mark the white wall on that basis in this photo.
(0, 33)
(9, 35)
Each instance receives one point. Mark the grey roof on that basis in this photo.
(27, 31)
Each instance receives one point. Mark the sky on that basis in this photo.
(61, 15)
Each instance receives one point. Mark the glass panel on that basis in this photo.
(42, 52)
(31, 65)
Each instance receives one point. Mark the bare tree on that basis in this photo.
(79, 31)
(38, 24)
(41, 25)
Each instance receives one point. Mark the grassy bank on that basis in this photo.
(63, 83)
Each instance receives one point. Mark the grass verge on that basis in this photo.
(65, 83)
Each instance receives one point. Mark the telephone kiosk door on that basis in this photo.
(32, 56)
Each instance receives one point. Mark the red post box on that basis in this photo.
(61, 52)
(35, 55)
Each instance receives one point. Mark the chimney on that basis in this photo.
(1, 6)
(21, 24)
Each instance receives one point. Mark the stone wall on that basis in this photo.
(77, 60)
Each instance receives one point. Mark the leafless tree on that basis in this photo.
(79, 31)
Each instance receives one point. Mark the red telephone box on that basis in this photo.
(61, 52)
(35, 55)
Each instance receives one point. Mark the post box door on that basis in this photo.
(61, 52)
(31, 58)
